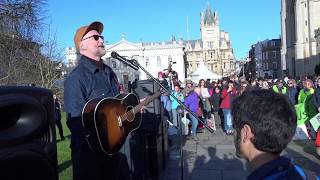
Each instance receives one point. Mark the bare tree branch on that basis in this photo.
(25, 58)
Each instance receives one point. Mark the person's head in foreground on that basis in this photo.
(265, 123)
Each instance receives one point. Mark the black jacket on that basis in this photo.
(85, 82)
(316, 98)
(215, 100)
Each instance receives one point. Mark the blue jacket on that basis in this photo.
(87, 81)
(280, 168)
(175, 103)
(192, 102)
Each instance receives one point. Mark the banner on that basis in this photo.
(315, 122)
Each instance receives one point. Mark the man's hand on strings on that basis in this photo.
(142, 107)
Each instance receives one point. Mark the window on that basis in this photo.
(211, 55)
(158, 61)
(223, 54)
(267, 57)
(114, 64)
(275, 66)
(306, 23)
(273, 43)
(210, 45)
(198, 55)
(293, 66)
(224, 65)
(147, 61)
(169, 59)
(306, 60)
(274, 53)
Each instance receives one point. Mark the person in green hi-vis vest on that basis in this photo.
(305, 109)
(279, 87)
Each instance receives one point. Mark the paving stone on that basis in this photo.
(200, 174)
(234, 174)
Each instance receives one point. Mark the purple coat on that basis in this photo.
(192, 102)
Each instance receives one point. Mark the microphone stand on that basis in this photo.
(180, 112)
(136, 64)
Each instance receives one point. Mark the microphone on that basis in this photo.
(124, 60)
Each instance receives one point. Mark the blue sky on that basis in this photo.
(247, 21)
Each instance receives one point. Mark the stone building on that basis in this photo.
(214, 47)
(299, 21)
(317, 36)
(154, 57)
(71, 57)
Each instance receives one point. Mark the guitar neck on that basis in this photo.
(138, 107)
(145, 102)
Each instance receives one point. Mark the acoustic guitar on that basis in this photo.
(110, 120)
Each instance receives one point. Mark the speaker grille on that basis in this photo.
(26, 161)
(27, 134)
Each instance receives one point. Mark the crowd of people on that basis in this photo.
(211, 100)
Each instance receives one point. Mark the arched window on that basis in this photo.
(169, 59)
(147, 61)
(158, 61)
(114, 64)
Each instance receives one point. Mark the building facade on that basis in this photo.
(299, 21)
(258, 58)
(71, 57)
(214, 47)
(317, 36)
(154, 57)
(267, 58)
(271, 58)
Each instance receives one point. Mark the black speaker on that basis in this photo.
(165, 142)
(151, 118)
(151, 139)
(27, 134)
(155, 155)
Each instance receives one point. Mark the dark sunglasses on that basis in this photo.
(95, 37)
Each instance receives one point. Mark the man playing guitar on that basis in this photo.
(90, 79)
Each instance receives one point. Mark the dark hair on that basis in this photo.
(230, 82)
(177, 84)
(271, 117)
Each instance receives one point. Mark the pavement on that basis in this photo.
(213, 157)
